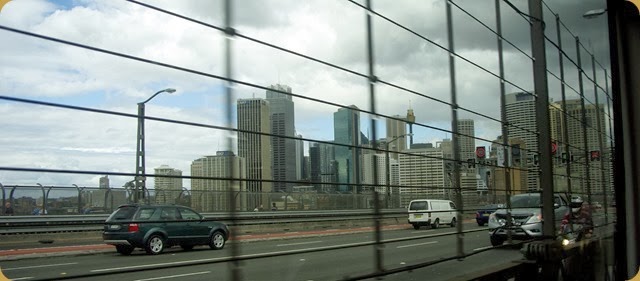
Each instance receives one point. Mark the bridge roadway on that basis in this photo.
(336, 253)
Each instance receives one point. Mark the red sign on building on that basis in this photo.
(480, 152)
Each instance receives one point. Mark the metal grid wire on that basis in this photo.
(462, 196)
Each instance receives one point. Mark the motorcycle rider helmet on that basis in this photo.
(576, 204)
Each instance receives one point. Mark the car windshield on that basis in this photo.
(525, 201)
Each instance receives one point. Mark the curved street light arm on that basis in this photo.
(168, 90)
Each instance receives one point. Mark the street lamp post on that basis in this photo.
(140, 163)
(388, 177)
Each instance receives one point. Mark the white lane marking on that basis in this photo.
(419, 244)
(422, 231)
(175, 276)
(229, 257)
(482, 248)
(158, 264)
(22, 278)
(301, 243)
(38, 266)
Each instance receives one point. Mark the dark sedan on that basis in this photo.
(156, 227)
(482, 215)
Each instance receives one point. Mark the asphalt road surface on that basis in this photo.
(330, 257)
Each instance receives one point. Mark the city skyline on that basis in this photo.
(97, 81)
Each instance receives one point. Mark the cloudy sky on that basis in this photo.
(333, 31)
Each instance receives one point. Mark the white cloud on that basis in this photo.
(331, 31)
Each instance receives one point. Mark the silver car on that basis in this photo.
(526, 218)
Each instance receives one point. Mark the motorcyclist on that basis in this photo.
(579, 215)
(579, 222)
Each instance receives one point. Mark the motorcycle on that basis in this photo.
(576, 256)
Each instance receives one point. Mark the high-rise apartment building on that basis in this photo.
(253, 119)
(374, 170)
(421, 175)
(209, 195)
(520, 109)
(346, 130)
(169, 186)
(283, 150)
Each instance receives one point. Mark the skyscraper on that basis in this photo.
(283, 150)
(213, 195)
(577, 149)
(466, 140)
(422, 174)
(322, 166)
(300, 164)
(168, 188)
(520, 109)
(253, 117)
(374, 170)
(346, 130)
(396, 128)
(104, 182)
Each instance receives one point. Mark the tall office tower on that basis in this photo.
(213, 195)
(346, 130)
(104, 182)
(299, 158)
(468, 181)
(374, 170)
(396, 128)
(411, 118)
(283, 150)
(421, 175)
(306, 172)
(556, 120)
(520, 109)
(576, 138)
(253, 116)
(466, 140)
(322, 166)
(167, 189)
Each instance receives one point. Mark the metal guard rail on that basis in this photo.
(12, 225)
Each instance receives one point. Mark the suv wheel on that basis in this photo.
(155, 245)
(435, 224)
(416, 226)
(124, 249)
(453, 222)
(496, 241)
(216, 242)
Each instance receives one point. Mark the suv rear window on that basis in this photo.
(123, 213)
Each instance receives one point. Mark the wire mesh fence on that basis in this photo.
(360, 149)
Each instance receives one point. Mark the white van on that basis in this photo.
(432, 212)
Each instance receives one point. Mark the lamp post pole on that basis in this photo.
(388, 168)
(140, 178)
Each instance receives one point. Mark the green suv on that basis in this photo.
(156, 227)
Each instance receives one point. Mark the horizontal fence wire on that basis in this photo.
(446, 189)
